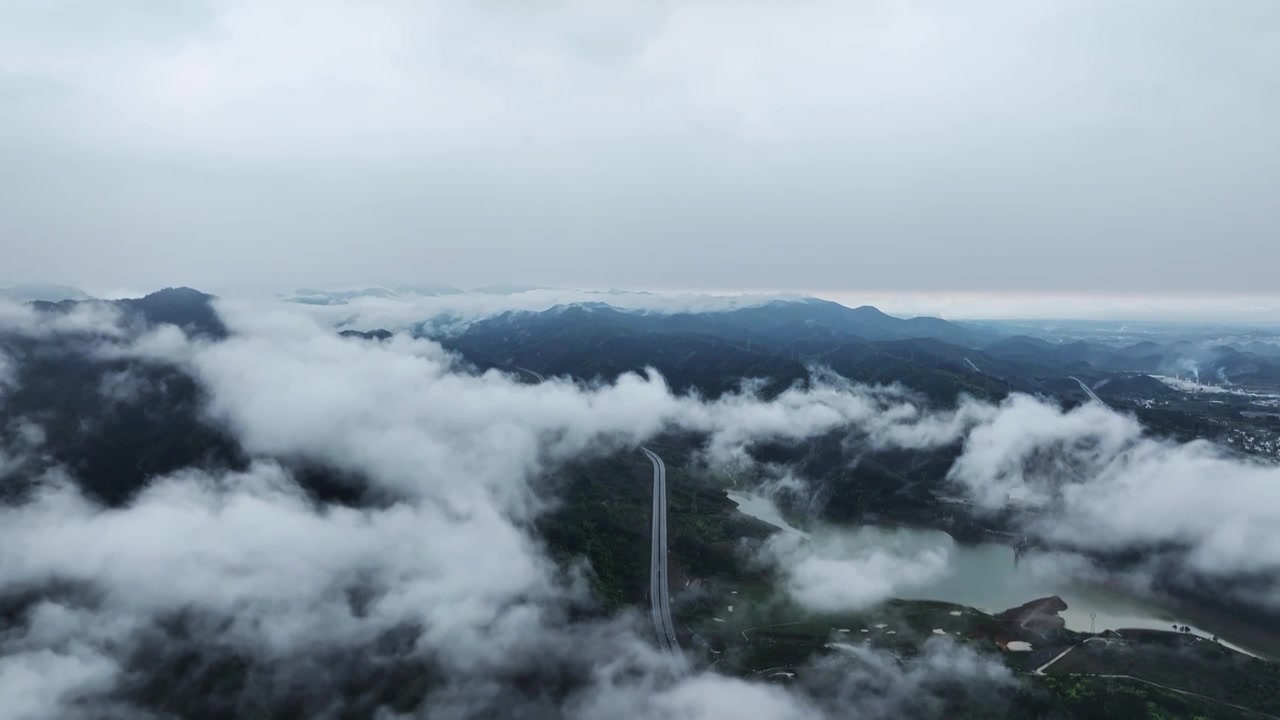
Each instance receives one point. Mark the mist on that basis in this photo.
(435, 570)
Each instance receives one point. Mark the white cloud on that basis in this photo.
(1259, 308)
(8, 373)
(403, 413)
(703, 697)
(1102, 484)
(400, 411)
(252, 548)
(445, 548)
(44, 685)
(93, 318)
(877, 686)
(835, 570)
(451, 311)
(444, 553)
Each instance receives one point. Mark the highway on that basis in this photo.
(1088, 390)
(537, 375)
(659, 590)
(1040, 670)
(1242, 708)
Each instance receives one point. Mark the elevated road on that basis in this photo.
(659, 587)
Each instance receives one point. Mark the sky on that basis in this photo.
(992, 149)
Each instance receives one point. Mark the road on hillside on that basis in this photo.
(659, 591)
(1088, 390)
(536, 375)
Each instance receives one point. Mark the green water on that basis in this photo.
(985, 576)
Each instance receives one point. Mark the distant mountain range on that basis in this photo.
(43, 292)
(778, 341)
(312, 296)
(1253, 364)
(776, 324)
(713, 352)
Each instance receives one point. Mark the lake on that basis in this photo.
(985, 576)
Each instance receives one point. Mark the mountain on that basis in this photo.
(428, 290)
(114, 421)
(788, 321)
(1024, 348)
(778, 323)
(311, 296)
(370, 335)
(43, 293)
(190, 310)
(1258, 347)
(506, 289)
(1143, 349)
(713, 352)
(1133, 386)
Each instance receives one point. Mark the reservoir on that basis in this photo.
(987, 576)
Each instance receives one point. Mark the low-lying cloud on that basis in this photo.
(253, 548)
(834, 570)
(1090, 480)
(88, 318)
(438, 568)
(1099, 482)
(404, 412)
(453, 311)
(441, 561)
(7, 372)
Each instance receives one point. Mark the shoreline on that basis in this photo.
(1251, 639)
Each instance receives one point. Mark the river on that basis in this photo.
(987, 577)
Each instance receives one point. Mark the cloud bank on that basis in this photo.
(435, 581)
(405, 311)
(1101, 483)
(435, 572)
(831, 571)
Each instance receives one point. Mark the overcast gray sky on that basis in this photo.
(1060, 146)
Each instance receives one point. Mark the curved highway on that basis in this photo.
(536, 375)
(1088, 391)
(659, 595)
